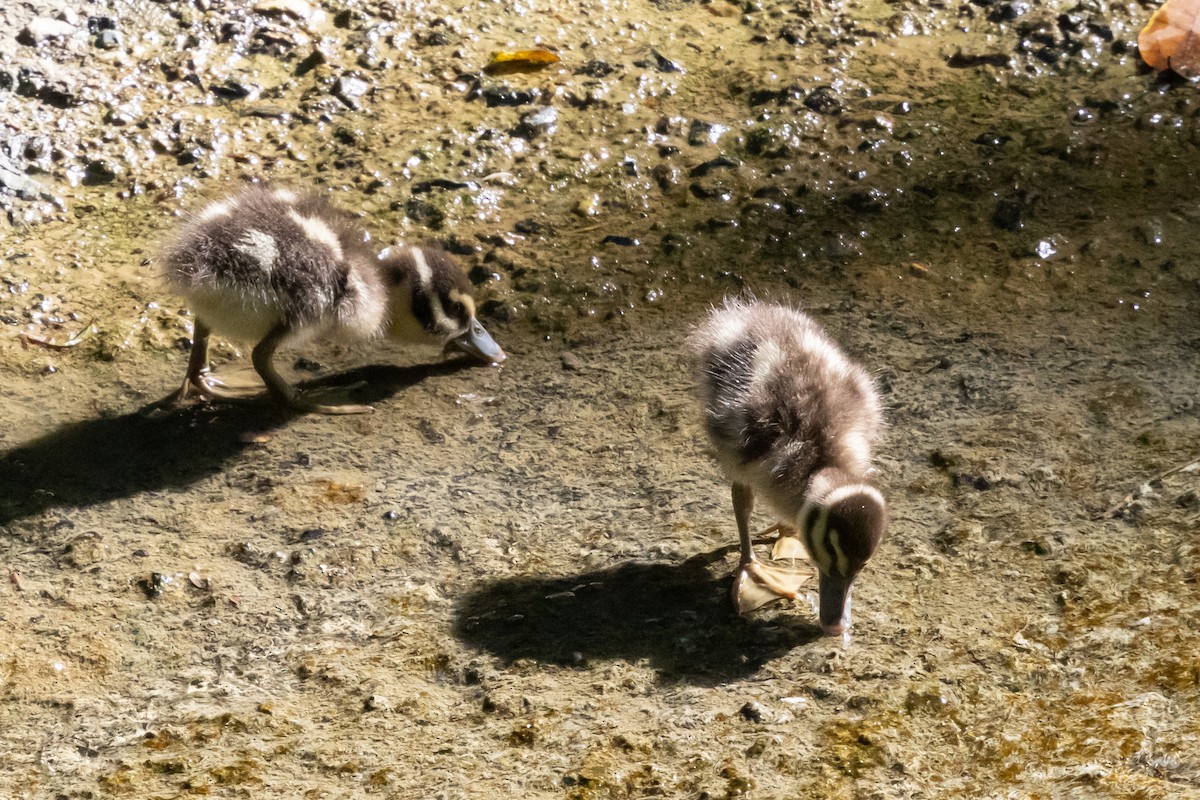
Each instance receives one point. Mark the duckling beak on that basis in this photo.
(479, 343)
(834, 612)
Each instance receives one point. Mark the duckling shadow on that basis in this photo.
(154, 449)
(374, 383)
(678, 617)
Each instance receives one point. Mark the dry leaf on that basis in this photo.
(505, 62)
(1171, 39)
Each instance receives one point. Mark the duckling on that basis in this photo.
(277, 266)
(793, 421)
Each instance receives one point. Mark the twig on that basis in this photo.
(1128, 499)
(28, 339)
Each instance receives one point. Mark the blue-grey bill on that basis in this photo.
(479, 343)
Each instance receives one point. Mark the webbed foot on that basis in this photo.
(757, 584)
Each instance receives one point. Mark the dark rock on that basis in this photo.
(824, 100)
(313, 60)
(963, 59)
(232, 89)
(479, 275)
(1007, 12)
(531, 227)
(596, 68)
(664, 64)
(502, 94)
(424, 212)
(422, 187)
(720, 162)
(153, 586)
(624, 241)
(99, 172)
(705, 190)
(751, 712)
(1013, 210)
(666, 176)
(97, 24)
(867, 200)
(792, 35)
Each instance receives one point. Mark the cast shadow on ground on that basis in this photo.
(153, 449)
(677, 617)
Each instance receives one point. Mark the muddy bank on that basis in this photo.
(515, 580)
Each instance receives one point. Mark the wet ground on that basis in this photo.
(514, 581)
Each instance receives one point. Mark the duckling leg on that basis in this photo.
(194, 380)
(757, 583)
(280, 390)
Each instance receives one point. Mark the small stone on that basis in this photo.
(751, 712)
(501, 94)
(596, 68)
(666, 176)
(588, 206)
(97, 24)
(108, 40)
(664, 64)
(377, 702)
(100, 172)
(962, 59)
(349, 89)
(702, 132)
(538, 122)
(571, 362)
(824, 100)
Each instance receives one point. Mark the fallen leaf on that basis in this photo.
(505, 62)
(1171, 39)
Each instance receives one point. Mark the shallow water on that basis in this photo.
(515, 581)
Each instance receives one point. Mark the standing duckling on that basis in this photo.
(793, 421)
(276, 266)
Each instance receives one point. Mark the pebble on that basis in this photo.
(596, 68)
(702, 132)
(664, 64)
(377, 702)
(667, 176)
(751, 712)
(720, 162)
(824, 100)
(502, 94)
(349, 89)
(538, 122)
(571, 362)
(108, 40)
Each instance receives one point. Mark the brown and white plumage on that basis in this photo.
(277, 266)
(793, 421)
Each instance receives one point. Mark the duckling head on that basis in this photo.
(430, 301)
(841, 531)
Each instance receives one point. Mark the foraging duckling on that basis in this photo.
(793, 421)
(276, 266)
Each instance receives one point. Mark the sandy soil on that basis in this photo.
(514, 581)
